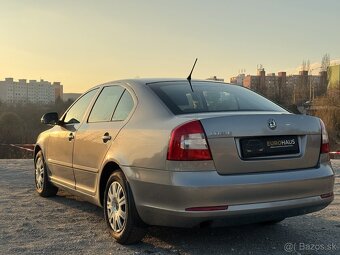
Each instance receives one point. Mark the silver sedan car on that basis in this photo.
(181, 153)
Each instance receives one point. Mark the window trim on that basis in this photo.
(101, 90)
(132, 109)
(132, 94)
(86, 111)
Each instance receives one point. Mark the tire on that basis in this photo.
(272, 222)
(42, 184)
(130, 229)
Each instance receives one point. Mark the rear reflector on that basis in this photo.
(324, 139)
(327, 195)
(207, 208)
(188, 142)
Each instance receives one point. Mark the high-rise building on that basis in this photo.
(58, 88)
(251, 81)
(21, 91)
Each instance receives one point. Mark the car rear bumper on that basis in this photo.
(162, 197)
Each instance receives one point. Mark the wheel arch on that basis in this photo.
(109, 168)
(37, 148)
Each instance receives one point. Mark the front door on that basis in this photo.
(61, 142)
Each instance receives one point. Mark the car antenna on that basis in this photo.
(189, 77)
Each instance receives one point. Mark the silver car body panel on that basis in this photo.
(162, 196)
(162, 189)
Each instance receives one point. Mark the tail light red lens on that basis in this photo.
(325, 142)
(188, 142)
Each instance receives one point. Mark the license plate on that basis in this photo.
(269, 146)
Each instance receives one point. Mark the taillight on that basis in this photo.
(188, 142)
(325, 142)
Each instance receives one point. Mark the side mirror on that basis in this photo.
(50, 118)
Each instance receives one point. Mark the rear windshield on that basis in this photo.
(210, 97)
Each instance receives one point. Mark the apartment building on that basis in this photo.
(285, 89)
(33, 91)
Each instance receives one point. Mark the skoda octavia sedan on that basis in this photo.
(184, 153)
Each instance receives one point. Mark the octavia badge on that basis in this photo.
(271, 124)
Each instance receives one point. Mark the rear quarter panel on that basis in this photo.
(143, 141)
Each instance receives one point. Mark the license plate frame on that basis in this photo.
(266, 146)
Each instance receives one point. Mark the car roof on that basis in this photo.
(147, 81)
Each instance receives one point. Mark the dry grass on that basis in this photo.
(328, 109)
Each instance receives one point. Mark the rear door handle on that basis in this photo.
(106, 137)
(70, 136)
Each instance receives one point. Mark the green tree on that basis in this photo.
(11, 128)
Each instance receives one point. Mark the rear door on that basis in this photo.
(98, 132)
(257, 142)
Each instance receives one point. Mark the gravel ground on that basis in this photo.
(64, 224)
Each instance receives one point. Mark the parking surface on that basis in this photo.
(64, 224)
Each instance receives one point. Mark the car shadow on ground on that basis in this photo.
(69, 200)
(254, 238)
(257, 238)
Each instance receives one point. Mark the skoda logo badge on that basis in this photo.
(271, 124)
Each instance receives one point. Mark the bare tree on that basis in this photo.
(325, 62)
(305, 65)
(308, 66)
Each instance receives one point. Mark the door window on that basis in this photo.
(124, 107)
(76, 113)
(106, 104)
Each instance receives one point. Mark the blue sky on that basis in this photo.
(82, 43)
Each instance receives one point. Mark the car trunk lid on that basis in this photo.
(260, 142)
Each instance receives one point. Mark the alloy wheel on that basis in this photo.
(116, 206)
(39, 174)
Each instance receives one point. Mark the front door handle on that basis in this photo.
(106, 137)
(70, 136)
